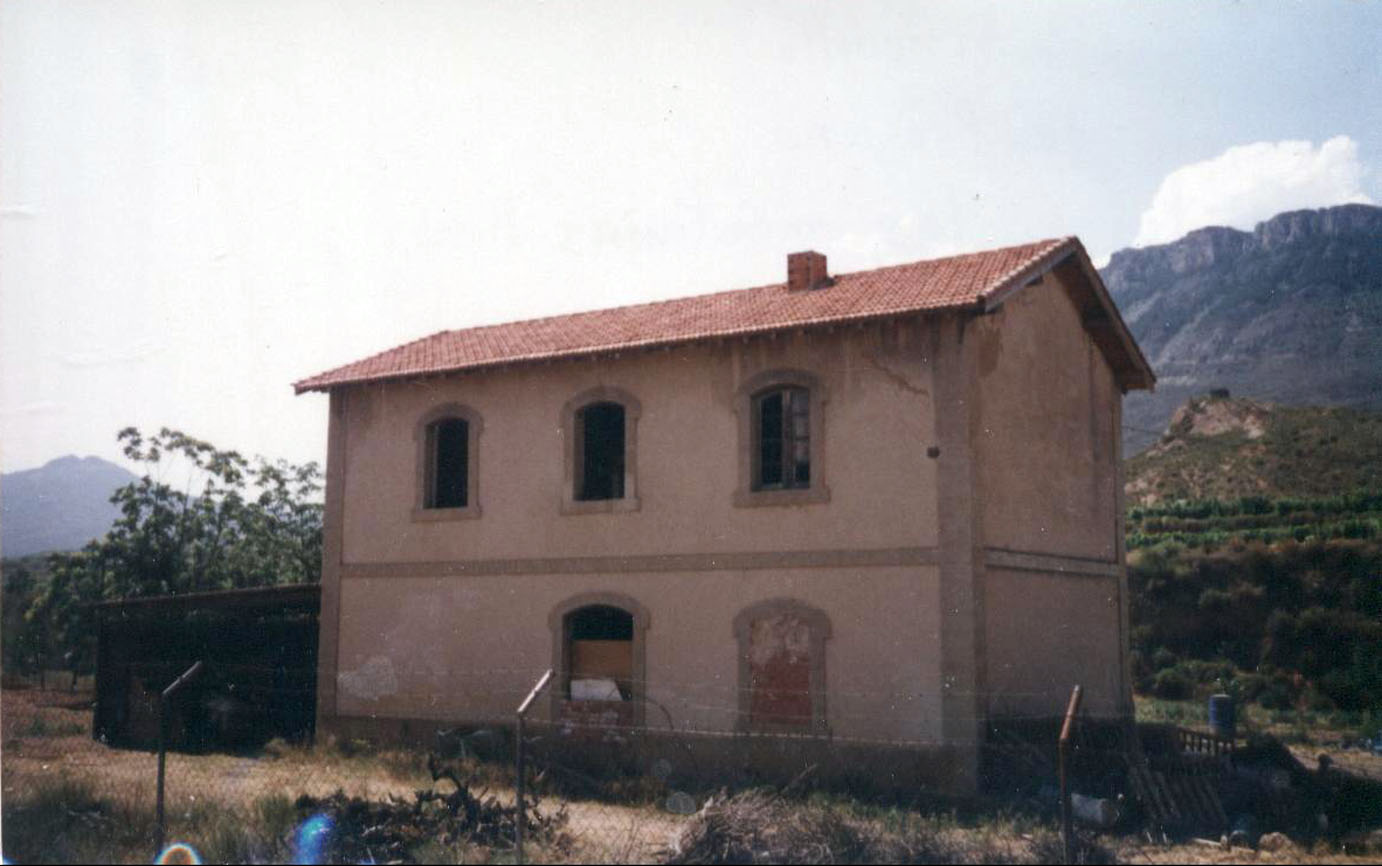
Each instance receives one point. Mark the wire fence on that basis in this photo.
(71, 797)
(585, 788)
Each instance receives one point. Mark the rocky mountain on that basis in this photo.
(1221, 447)
(59, 506)
(1290, 312)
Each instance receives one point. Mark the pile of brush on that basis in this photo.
(761, 826)
(356, 830)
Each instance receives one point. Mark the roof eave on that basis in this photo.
(1132, 369)
(316, 383)
(1137, 375)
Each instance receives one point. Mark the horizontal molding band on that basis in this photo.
(1022, 560)
(650, 563)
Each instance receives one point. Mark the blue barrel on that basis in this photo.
(1222, 715)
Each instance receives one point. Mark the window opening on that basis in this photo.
(600, 653)
(449, 463)
(783, 417)
(601, 439)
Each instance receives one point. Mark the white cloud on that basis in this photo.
(1252, 182)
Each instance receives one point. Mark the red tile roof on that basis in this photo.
(938, 284)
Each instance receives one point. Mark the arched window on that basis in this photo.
(599, 652)
(782, 667)
(781, 439)
(447, 467)
(600, 429)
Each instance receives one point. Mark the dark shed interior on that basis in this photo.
(259, 675)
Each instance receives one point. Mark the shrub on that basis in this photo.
(1172, 684)
(1162, 659)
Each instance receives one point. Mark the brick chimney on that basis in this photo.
(806, 271)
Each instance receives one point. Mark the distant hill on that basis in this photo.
(59, 506)
(1220, 447)
(1290, 312)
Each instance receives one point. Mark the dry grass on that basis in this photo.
(770, 826)
(69, 799)
(1194, 852)
(54, 776)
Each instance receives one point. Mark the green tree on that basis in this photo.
(18, 637)
(234, 523)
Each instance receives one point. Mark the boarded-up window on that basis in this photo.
(782, 676)
(601, 652)
(448, 463)
(780, 671)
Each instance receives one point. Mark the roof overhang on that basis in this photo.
(1098, 313)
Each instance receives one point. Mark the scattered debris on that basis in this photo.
(1098, 812)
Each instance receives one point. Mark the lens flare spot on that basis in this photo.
(179, 853)
(309, 842)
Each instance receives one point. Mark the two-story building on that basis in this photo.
(874, 510)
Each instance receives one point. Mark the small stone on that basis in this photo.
(1275, 842)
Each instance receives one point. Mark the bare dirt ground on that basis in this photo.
(45, 737)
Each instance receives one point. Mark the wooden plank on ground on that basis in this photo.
(1172, 807)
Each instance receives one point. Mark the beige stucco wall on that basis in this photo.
(468, 649)
(428, 630)
(449, 620)
(1044, 432)
(876, 424)
(1045, 435)
(1047, 633)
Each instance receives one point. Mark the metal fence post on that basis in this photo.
(1067, 829)
(521, 807)
(162, 744)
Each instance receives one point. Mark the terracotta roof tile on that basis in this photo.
(936, 284)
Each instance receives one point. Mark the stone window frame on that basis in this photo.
(475, 425)
(561, 647)
(819, 623)
(745, 496)
(572, 448)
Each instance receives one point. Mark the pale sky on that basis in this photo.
(202, 201)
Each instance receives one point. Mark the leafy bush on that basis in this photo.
(1295, 623)
(1172, 684)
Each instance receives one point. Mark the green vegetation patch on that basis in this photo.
(1285, 626)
